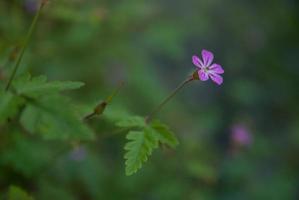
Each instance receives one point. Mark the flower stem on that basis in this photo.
(172, 94)
(115, 92)
(26, 42)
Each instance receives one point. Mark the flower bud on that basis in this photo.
(99, 109)
(195, 75)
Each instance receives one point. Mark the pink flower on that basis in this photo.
(206, 69)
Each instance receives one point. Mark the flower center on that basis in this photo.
(206, 69)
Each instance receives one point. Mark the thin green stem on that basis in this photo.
(172, 94)
(114, 93)
(26, 42)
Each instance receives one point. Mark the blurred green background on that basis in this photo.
(237, 141)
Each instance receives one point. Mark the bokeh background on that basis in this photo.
(239, 140)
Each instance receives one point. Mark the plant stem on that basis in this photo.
(26, 42)
(115, 92)
(172, 94)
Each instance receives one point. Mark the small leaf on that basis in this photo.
(131, 122)
(164, 134)
(9, 105)
(16, 193)
(54, 117)
(37, 86)
(139, 148)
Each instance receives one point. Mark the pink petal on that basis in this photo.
(216, 78)
(203, 76)
(197, 62)
(215, 68)
(207, 57)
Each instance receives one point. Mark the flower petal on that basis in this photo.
(203, 76)
(207, 57)
(197, 62)
(215, 68)
(216, 78)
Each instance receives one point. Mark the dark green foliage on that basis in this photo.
(9, 105)
(25, 155)
(38, 86)
(48, 152)
(47, 113)
(54, 117)
(16, 193)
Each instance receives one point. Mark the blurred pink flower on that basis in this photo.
(241, 135)
(206, 69)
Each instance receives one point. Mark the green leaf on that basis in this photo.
(131, 122)
(16, 193)
(139, 148)
(55, 117)
(164, 134)
(116, 114)
(141, 143)
(9, 105)
(37, 86)
(25, 155)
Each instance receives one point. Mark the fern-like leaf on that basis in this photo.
(164, 134)
(139, 148)
(36, 86)
(54, 117)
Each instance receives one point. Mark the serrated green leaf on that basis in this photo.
(9, 105)
(131, 122)
(54, 117)
(139, 148)
(37, 86)
(16, 193)
(165, 135)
